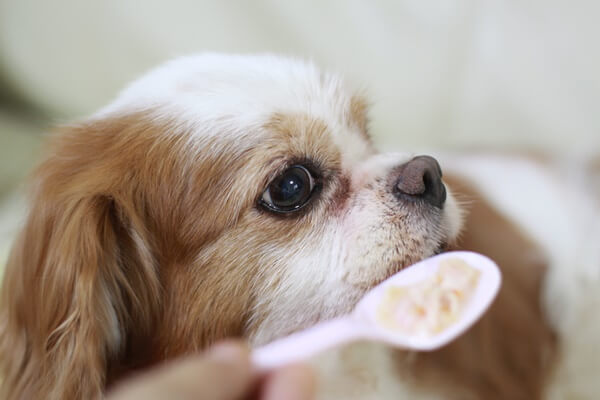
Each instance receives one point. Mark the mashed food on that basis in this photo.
(432, 305)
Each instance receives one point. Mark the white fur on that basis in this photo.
(215, 94)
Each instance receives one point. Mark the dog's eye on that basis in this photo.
(290, 191)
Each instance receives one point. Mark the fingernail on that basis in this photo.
(228, 352)
(295, 382)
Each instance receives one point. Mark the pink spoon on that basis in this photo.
(363, 322)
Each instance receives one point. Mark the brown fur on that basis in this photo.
(127, 254)
(359, 114)
(68, 280)
(509, 352)
(103, 232)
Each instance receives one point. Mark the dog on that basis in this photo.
(242, 196)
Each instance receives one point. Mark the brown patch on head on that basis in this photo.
(303, 139)
(359, 116)
(509, 352)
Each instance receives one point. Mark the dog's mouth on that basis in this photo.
(441, 248)
(398, 266)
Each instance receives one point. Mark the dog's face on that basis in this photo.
(231, 196)
(295, 214)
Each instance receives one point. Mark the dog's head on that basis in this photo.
(217, 196)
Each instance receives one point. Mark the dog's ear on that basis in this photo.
(79, 274)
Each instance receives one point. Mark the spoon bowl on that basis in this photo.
(407, 310)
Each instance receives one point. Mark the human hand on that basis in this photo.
(224, 372)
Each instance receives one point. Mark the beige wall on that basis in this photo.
(441, 73)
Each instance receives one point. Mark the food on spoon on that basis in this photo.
(430, 306)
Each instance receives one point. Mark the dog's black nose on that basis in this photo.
(421, 178)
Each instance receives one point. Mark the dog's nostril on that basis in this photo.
(421, 178)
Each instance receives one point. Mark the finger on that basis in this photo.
(227, 373)
(296, 382)
(223, 373)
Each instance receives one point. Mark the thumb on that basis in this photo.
(222, 373)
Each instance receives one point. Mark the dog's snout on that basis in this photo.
(421, 178)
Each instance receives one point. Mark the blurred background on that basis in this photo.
(455, 75)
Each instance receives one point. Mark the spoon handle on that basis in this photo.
(305, 344)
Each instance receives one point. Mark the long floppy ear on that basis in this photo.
(79, 275)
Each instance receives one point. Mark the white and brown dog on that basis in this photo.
(225, 196)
